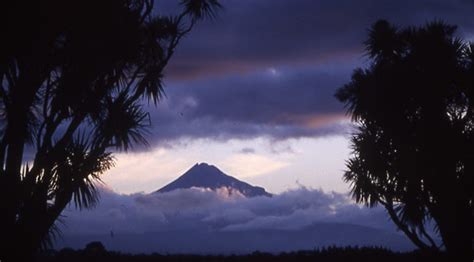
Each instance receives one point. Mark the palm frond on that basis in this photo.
(199, 9)
(78, 172)
(123, 125)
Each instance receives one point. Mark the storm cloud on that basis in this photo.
(293, 104)
(270, 68)
(249, 34)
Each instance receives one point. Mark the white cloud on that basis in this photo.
(201, 220)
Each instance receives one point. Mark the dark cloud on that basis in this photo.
(279, 104)
(197, 220)
(270, 67)
(257, 34)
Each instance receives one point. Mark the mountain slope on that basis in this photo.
(209, 176)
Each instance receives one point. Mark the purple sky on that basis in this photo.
(252, 92)
(271, 67)
(263, 76)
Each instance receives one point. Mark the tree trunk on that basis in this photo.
(455, 228)
(11, 189)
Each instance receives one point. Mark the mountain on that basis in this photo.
(209, 176)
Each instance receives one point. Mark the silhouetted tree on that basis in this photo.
(413, 152)
(74, 76)
(95, 248)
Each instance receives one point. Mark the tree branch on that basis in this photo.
(402, 226)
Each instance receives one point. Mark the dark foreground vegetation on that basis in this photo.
(333, 254)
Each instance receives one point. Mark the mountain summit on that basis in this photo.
(209, 176)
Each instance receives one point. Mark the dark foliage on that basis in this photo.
(413, 152)
(330, 254)
(74, 77)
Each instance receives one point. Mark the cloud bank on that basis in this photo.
(291, 105)
(270, 68)
(203, 221)
(261, 34)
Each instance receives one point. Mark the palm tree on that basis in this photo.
(413, 152)
(73, 87)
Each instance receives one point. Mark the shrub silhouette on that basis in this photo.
(95, 248)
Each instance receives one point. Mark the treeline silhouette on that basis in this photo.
(95, 252)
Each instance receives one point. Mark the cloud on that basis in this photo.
(299, 103)
(271, 68)
(247, 150)
(202, 213)
(251, 35)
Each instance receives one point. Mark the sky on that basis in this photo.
(252, 92)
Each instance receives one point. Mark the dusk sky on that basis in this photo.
(253, 130)
(252, 91)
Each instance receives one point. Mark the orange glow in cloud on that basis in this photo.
(323, 120)
(193, 69)
(312, 120)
